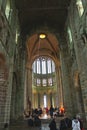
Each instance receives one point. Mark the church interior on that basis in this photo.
(43, 57)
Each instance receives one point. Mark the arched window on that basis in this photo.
(43, 72)
(8, 8)
(44, 66)
(16, 36)
(45, 100)
(80, 7)
(70, 37)
(49, 66)
(38, 66)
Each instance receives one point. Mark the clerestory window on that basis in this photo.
(8, 8)
(70, 37)
(80, 7)
(43, 72)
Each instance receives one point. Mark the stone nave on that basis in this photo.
(43, 57)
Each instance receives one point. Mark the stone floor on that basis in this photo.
(23, 125)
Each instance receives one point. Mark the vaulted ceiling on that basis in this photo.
(43, 47)
(41, 16)
(36, 14)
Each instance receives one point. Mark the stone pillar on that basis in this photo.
(41, 101)
(25, 91)
(81, 57)
(48, 100)
(80, 47)
(65, 77)
(59, 88)
(54, 99)
(35, 100)
(29, 89)
(38, 100)
(8, 98)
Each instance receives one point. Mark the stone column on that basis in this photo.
(59, 88)
(8, 98)
(25, 91)
(41, 100)
(35, 100)
(48, 99)
(65, 77)
(29, 88)
(81, 57)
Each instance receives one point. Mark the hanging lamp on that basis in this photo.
(42, 36)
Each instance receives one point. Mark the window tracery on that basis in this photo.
(43, 72)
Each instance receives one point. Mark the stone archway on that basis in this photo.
(37, 47)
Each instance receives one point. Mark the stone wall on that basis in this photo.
(78, 27)
(7, 48)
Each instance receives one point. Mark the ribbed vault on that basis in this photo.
(37, 47)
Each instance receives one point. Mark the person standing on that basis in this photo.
(51, 111)
(52, 124)
(66, 123)
(81, 122)
(75, 124)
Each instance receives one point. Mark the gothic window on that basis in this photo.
(49, 66)
(44, 82)
(8, 8)
(43, 72)
(38, 66)
(80, 7)
(43, 66)
(45, 100)
(70, 37)
(53, 68)
(50, 82)
(38, 82)
(16, 36)
(70, 43)
(34, 65)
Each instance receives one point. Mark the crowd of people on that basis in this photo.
(66, 123)
(34, 119)
(49, 111)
